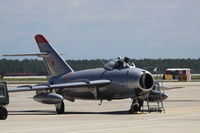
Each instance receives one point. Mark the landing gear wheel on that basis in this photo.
(3, 113)
(60, 108)
(135, 106)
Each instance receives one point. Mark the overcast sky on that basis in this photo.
(90, 29)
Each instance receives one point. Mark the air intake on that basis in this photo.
(146, 81)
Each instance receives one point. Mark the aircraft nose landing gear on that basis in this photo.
(136, 106)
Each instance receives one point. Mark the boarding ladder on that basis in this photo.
(155, 106)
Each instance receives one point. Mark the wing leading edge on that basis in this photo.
(94, 83)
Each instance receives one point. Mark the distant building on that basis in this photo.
(181, 74)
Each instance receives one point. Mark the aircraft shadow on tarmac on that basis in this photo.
(42, 112)
(49, 112)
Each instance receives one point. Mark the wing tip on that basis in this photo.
(40, 39)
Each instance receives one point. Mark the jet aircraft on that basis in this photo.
(118, 79)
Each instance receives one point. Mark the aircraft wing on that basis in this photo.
(94, 83)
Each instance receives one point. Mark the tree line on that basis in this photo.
(37, 67)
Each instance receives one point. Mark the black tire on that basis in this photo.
(134, 108)
(60, 109)
(3, 113)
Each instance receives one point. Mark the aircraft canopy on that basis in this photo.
(119, 63)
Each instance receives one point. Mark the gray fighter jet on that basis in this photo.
(119, 79)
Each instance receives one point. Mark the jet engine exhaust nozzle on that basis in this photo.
(146, 81)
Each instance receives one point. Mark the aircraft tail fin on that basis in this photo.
(55, 64)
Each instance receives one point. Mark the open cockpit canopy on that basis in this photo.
(119, 63)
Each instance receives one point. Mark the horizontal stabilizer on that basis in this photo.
(43, 54)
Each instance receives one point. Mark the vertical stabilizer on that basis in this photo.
(55, 64)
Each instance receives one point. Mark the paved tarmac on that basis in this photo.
(182, 115)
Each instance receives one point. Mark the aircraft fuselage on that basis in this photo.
(125, 83)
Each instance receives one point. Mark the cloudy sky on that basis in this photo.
(90, 29)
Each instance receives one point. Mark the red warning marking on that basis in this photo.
(53, 63)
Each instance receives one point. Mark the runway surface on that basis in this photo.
(182, 115)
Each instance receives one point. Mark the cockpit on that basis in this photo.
(119, 63)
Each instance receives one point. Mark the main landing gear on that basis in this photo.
(136, 105)
(60, 108)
